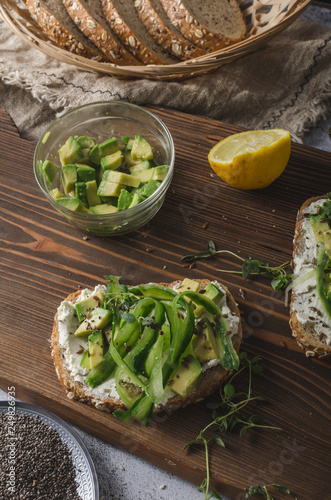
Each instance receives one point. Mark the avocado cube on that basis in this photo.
(160, 172)
(111, 162)
(85, 361)
(109, 188)
(121, 178)
(141, 149)
(143, 165)
(136, 199)
(97, 320)
(124, 200)
(56, 193)
(95, 155)
(212, 292)
(91, 193)
(186, 376)
(73, 204)
(95, 348)
(86, 142)
(103, 209)
(188, 285)
(151, 187)
(144, 175)
(108, 147)
(129, 160)
(85, 306)
(70, 152)
(50, 170)
(204, 343)
(85, 173)
(80, 189)
(69, 177)
(319, 228)
(125, 140)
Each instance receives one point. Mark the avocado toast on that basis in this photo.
(148, 348)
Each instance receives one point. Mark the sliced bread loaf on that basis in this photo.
(160, 28)
(87, 15)
(126, 24)
(211, 25)
(55, 22)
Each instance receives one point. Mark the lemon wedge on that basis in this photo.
(252, 159)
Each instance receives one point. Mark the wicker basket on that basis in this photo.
(264, 19)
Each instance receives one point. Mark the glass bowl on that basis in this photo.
(103, 120)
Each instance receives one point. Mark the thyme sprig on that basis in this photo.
(250, 267)
(263, 490)
(228, 414)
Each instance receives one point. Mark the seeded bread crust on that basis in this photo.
(89, 21)
(159, 27)
(187, 21)
(60, 27)
(306, 337)
(210, 380)
(125, 22)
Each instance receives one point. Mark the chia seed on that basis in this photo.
(42, 462)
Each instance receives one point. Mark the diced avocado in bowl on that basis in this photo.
(92, 172)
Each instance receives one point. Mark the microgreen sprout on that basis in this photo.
(263, 490)
(227, 414)
(250, 267)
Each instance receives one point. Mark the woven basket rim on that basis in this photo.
(264, 19)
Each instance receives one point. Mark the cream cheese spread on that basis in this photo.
(307, 304)
(71, 344)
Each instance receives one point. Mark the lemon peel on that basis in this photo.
(251, 159)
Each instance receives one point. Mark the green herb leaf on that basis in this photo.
(229, 390)
(128, 317)
(280, 487)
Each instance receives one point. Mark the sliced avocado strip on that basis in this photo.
(50, 170)
(91, 193)
(69, 177)
(124, 200)
(141, 149)
(85, 306)
(109, 147)
(111, 161)
(85, 173)
(97, 320)
(70, 152)
(73, 204)
(204, 342)
(95, 348)
(186, 377)
(103, 209)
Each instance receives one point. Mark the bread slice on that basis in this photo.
(126, 24)
(210, 380)
(211, 25)
(54, 20)
(87, 15)
(160, 28)
(306, 320)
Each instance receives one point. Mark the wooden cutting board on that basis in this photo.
(43, 259)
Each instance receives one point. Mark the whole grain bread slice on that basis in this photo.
(210, 380)
(54, 20)
(313, 344)
(211, 25)
(160, 28)
(87, 16)
(126, 24)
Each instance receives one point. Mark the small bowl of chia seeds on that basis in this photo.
(43, 457)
